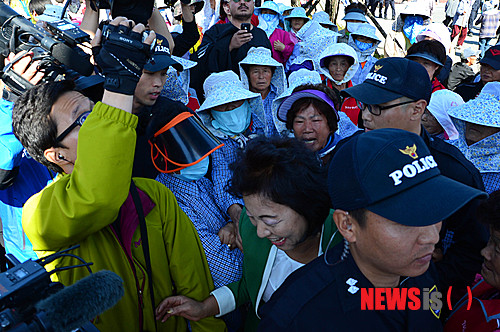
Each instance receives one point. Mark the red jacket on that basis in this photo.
(483, 315)
(349, 105)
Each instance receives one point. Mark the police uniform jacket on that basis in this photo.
(327, 297)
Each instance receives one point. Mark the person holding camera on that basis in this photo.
(225, 45)
(132, 227)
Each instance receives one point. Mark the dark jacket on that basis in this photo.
(213, 54)
(187, 39)
(445, 71)
(321, 297)
(469, 91)
(460, 73)
(462, 237)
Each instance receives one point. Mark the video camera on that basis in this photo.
(30, 301)
(57, 50)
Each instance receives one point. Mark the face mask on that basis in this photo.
(352, 26)
(233, 122)
(268, 23)
(195, 172)
(363, 46)
(412, 27)
(268, 17)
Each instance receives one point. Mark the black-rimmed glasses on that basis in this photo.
(78, 122)
(377, 110)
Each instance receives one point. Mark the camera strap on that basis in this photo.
(145, 243)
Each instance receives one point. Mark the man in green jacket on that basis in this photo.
(89, 203)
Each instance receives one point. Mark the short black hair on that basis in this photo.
(360, 216)
(285, 171)
(488, 211)
(321, 106)
(32, 123)
(432, 47)
(38, 6)
(355, 6)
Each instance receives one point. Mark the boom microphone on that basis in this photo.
(77, 304)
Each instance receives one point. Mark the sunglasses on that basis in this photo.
(78, 122)
(376, 109)
(236, 1)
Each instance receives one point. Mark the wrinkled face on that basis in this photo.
(297, 23)
(386, 249)
(311, 127)
(430, 123)
(229, 106)
(474, 132)
(260, 78)
(67, 108)
(281, 225)
(149, 87)
(397, 117)
(241, 10)
(429, 66)
(338, 66)
(489, 74)
(491, 266)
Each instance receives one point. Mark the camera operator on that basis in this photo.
(20, 175)
(90, 203)
(225, 45)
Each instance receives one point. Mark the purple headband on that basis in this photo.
(316, 94)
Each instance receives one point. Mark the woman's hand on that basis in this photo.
(185, 307)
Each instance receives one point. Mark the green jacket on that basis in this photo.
(258, 260)
(79, 207)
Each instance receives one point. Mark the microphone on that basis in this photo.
(75, 305)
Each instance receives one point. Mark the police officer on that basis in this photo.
(390, 199)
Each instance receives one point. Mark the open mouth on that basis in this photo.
(278, 242)
(309, 141)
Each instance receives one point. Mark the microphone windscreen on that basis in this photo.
(71, 58)
(77, 304)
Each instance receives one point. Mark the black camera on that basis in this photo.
(30, 301)
(57, 51)
(137, 10)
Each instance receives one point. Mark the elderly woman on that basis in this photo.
(302, 77)
(311, 113)
(338, 64)
(478, 125)
(364, 41)
(260, 73)
(286, 225)
(482, 313)
(436, 120)
(227, 113)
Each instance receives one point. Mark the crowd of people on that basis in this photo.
(248, 168)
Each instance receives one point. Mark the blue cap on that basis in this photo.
(161, 58)
(391, 172)
(392, 78)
